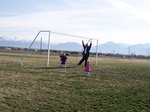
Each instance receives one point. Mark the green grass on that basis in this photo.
(116, 85)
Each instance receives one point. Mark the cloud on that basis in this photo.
(64, 18)
(32, 20)
(137, 13)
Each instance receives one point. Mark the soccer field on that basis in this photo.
(115, 85)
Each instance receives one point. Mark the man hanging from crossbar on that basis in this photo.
(85, 53)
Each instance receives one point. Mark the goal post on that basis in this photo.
(48, 55)
(43, 31)
(96, 53)
(31, 45)
(61, 36)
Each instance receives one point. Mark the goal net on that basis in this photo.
(47, 46)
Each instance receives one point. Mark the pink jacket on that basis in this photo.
(88, 68)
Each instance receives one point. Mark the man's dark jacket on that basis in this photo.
(88, 49)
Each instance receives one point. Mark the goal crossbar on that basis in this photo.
(73, 35)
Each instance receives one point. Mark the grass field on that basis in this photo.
(116, 85)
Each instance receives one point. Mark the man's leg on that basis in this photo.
(81, 61)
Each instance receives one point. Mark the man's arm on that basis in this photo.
(83, 43)
(90, 43)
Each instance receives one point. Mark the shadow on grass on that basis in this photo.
(56, 67)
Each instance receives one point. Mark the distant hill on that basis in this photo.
(111, 47)
(120, 48)
(108, 47)
(70, 46)
(13, 43)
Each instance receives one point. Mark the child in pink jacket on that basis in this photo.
(87, 69)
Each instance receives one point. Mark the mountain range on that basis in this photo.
(108, 47)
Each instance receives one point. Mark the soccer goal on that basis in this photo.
(47, 45)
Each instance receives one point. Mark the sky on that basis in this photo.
(120, 21)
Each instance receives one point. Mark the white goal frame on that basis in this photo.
(49, 37)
